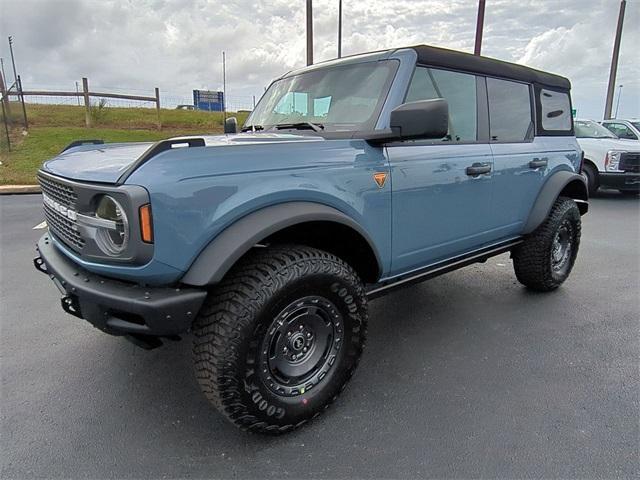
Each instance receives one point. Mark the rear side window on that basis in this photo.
(459, 89)
(556, 110)
(510, 118)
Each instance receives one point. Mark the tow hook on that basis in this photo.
(39, 264)
(71, 305)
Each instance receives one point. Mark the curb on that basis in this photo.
(18, 189)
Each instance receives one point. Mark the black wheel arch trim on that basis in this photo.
(551, 190)
(217, 258)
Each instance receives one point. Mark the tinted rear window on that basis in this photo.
(510, 117)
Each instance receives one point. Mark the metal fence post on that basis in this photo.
(24, 109)
(87, 104)
(158, 108)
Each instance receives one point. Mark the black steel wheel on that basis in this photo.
(545, 259)
(301, 346)
(562, 247)
(280, 337)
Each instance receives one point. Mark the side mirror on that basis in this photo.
(424, 119)
(231, 125)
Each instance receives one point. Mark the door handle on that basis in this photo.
(538, 162)
(478, 169)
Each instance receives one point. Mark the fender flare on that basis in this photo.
(550, 192)
(215, 260)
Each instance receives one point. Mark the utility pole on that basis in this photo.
(479, 27)
(224, 87)
(13, 60)
(309, 32)
(339, 28)
(614, 62)
(4, 89)
(4, 75)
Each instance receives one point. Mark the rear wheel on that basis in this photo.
(545, 259)
(591, 176)
(280, 337)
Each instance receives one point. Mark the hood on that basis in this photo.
(611, 144)
(105, 163)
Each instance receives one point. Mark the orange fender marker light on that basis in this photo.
(146, 223)
(380, 178)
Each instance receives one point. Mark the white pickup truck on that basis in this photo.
(609, 161)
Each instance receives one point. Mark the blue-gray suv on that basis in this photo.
(350, 178)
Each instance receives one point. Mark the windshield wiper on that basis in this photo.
(316, 127)
(252, 128)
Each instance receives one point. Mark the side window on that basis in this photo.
(621, 130)
(509, 110)
(556, 110)
(459, 89)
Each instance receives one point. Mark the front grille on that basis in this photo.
(630, 162)
(61, 198)
(58, 191)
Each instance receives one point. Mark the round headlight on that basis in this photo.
(113, 235)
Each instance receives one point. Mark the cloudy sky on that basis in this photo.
(177, 45)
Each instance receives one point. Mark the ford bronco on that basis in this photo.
(350, 178)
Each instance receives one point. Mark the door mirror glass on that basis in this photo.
(231, 125)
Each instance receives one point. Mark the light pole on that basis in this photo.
(309, 32)
(614, 62)
(339, 28)
(479, 27)
(618, 102)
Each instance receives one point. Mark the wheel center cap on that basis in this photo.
(297, 342)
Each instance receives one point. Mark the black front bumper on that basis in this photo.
(623, 181)
(117, 307)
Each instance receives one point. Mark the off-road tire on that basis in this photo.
(590, 174)
(533, 260)
(239, 316)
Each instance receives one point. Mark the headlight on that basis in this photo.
(112, 234)
(612, 160)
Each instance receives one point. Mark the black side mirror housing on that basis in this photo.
(231, 125)
(421, 120)
(424, 119)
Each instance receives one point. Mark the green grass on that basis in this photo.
(52, 127)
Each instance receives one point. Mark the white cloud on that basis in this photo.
(177, 44)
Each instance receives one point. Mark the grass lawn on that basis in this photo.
(53, 127)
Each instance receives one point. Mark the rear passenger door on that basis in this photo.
(439, 208)
(520, 161)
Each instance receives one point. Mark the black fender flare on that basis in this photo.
(215, 260)
(551, 191)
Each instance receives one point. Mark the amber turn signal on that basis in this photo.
(146, 223)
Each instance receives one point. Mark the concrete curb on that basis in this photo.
(17, 189)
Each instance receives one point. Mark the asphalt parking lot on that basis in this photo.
(467, 375)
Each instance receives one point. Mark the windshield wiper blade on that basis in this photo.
(316, 127)
(252, 128)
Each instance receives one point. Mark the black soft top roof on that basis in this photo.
(443, 57)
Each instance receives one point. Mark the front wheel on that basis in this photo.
(280, 337)
(545, 259)
(591, 176)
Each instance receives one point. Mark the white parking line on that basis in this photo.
(40, 226)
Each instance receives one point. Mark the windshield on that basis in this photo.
(636, 124)
(588, 129)
(343, 98)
